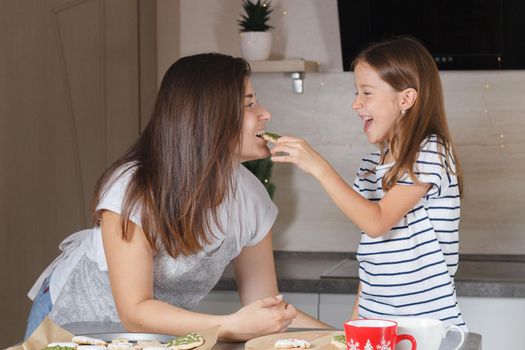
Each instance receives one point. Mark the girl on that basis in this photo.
(405, 197)
(172, 212)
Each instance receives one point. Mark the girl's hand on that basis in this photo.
(262, 317)
(300, 153)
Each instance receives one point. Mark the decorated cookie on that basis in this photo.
(188, 341)
(148, 344)
(61, 346)
(339, 341)
(269, 136)
(91, 347)
(83, 340)
(120, 345)
(290, 343)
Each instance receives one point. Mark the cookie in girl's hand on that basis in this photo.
(270, 137)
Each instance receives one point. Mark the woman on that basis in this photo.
(173, 212)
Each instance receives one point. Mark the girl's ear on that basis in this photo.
(407, 98)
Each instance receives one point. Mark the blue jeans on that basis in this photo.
(41, 308)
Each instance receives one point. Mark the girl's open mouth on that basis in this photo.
(368, 121)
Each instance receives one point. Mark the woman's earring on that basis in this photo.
(403, 112)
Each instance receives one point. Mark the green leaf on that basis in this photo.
(262, 169)
(256, 17)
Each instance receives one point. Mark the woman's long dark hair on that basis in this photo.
(184, 157)
(405, 63)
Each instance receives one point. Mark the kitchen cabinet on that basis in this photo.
(78, 83)
(225, 302)
(335, 309)
(219, 303)
(499, 320)
(332, 309)
(490, 317)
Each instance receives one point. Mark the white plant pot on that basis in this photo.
(256, 46)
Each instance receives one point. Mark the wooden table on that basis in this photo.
(472, 340)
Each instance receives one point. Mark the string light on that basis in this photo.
(486, 87)
(278, 30)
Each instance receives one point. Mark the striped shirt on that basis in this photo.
(409, 271)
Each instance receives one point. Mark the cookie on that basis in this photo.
(61, 346)
(120, 345)
(83, 340)
(268, 136)
(188, 341)
(91, 347)
(290, 343)
(339, 341)
(148, 344)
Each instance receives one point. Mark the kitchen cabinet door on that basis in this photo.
(335, 309)
(500, 321)
(225, 302)
(72, 93)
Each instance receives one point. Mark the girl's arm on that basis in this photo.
(130, 267)
(355, 311)
(255, 275)
(373, 218)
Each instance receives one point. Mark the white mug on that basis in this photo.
(429, 332)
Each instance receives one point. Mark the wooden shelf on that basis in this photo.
(285, 66)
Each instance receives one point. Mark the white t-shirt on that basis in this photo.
(246, 216)
(409, 271)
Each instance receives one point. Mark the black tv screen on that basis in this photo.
(460, 34)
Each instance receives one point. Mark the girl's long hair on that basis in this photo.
(405, 63)
(183, 160)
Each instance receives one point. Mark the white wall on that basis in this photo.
(490, 145)
(486, 113)
(210, 25)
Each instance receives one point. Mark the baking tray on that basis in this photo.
(131, 336)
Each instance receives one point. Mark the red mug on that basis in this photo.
(371, 334)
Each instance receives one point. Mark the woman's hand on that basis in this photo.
(262, 317)
(300, 153)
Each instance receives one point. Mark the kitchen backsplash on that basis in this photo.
(486, 113)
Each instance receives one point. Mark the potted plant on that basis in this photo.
(256, 39)
(262, 169)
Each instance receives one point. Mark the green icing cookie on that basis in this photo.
(340, 338)
(188, 339)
